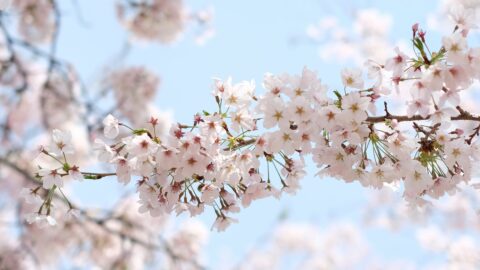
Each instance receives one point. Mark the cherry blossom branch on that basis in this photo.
(31, 53)
(476, 132)
(101, 222)
(463, 116)
(19, 170)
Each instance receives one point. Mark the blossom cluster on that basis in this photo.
(37, 20)
(133, 87)
(366, 38)
(41, 90)
(114, 239)
(161, 20)
(254, 146)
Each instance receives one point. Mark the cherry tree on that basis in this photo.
(216, 160)
(254, 143)
(40, 91)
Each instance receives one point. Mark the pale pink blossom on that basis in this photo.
(110, 129)
(352, 78)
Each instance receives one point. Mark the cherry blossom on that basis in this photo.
(111, 127)
(61, 143)
(37, 22)
(50, 178)
(41, 220)
(255, 143)
(162, 20)
(352, 78)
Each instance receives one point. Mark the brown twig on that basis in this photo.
(476, 132)
(463, 116)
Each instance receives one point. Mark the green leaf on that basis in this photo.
(438, 56)
(339, 96)
(338, 102)
(418, 44)
(139, 131)
(66, 167)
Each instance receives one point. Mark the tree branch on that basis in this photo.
(463, 116)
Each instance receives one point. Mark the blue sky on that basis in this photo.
(252, 37)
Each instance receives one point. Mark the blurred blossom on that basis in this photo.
(368, 40)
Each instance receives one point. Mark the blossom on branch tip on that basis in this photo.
(110, 129)
(222, 222)
(41, 220)
(62, 143)
(397, 63)
(50, 177)
(75, 174)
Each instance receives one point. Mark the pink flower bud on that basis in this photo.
(458, 131)
(153, 121)
(422, 34)
(415, 29)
